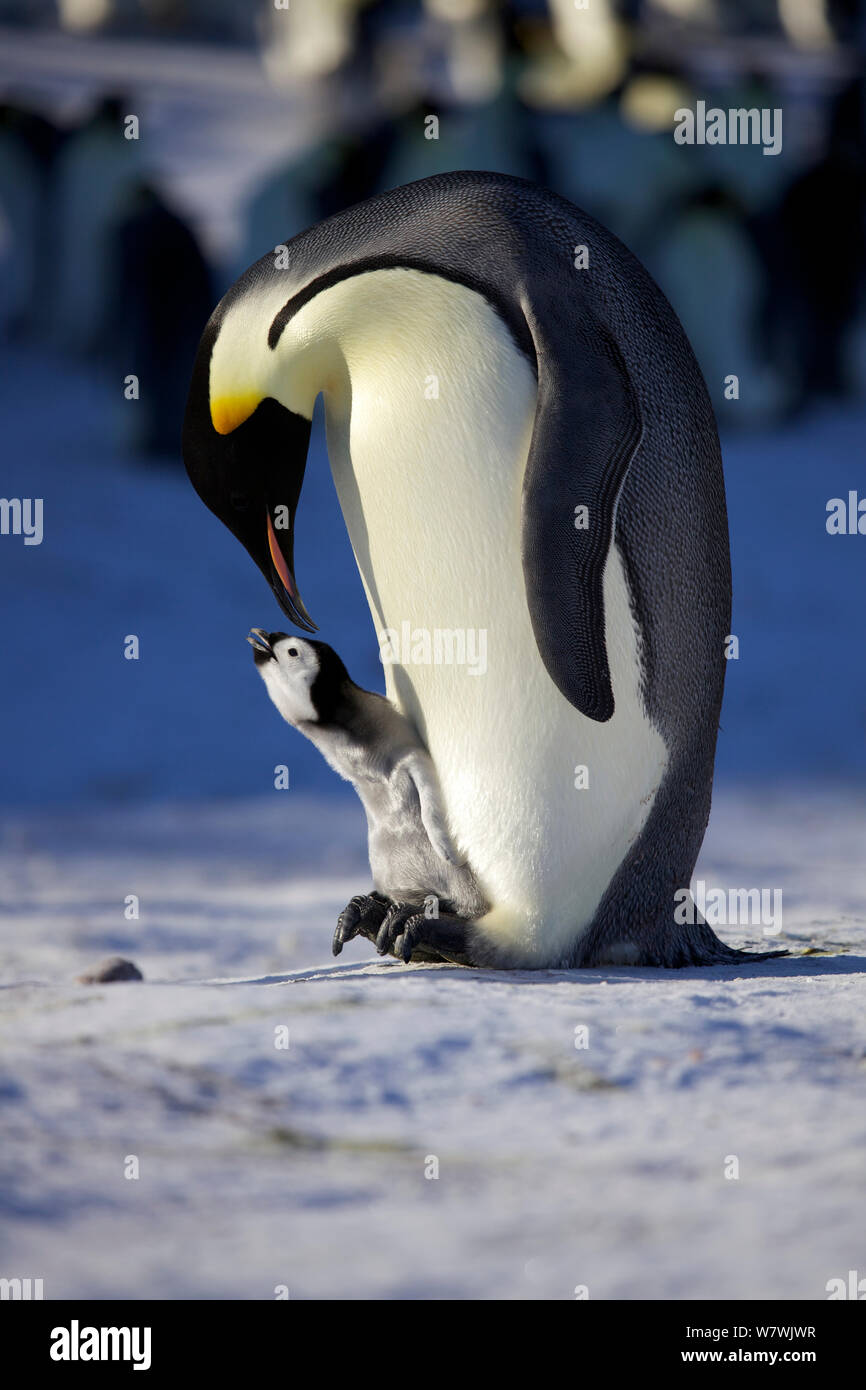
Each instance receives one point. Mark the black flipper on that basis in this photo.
(587, 429)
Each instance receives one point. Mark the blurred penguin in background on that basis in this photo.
(160, 294)
(28, 149)
(719, 311)
(97, 171)
(814, 246)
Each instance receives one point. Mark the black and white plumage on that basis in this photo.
(419, 876)
(522, 444)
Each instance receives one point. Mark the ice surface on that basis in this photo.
(305, 1167)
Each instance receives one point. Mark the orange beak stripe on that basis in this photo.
(278, 558)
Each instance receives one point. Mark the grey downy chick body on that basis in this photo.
(373, 746)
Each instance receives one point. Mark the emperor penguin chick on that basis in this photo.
(425, 895)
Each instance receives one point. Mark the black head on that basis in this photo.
(246, 460)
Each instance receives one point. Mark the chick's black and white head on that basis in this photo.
(305, 680)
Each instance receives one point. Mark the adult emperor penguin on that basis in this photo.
(522, 444)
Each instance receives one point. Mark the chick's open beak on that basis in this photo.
(260, 642)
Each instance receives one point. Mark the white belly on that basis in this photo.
(431, 493)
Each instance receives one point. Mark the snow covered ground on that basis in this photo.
(262, 1166)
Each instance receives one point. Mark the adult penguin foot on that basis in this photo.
(362, 916)
(411, 935)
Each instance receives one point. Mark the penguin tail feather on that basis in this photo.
(704, 948)
(695, 944)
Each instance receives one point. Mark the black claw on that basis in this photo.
(361, 916)
(383, 938)
(346, 925)
(401, 930)
(396, 935)
(432, 939)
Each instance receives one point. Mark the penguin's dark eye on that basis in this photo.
(293, 651)
(239, 501)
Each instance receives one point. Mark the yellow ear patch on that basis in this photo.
(227, 412)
